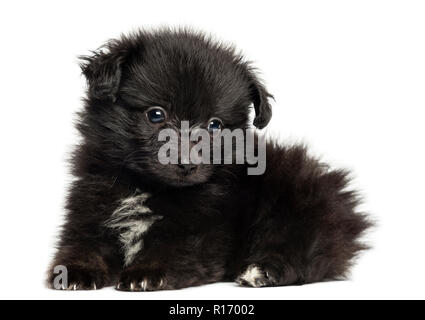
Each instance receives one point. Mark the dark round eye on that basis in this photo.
(214, 125)
(156, 115)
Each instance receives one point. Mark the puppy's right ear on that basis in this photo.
(103, 73)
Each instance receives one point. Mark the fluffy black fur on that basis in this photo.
(295, 224)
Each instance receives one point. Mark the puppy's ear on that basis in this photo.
(103, 73)
(260, 98)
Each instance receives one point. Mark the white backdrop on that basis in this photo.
(348, 78)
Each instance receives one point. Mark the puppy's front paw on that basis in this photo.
(142, 280)
(77, 278)
(256, 276)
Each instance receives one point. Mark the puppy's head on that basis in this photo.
(146, 82)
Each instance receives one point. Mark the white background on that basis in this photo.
(349, 80)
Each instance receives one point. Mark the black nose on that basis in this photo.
(187, 169)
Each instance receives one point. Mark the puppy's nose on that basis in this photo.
(187, 169)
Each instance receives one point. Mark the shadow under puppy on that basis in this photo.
(140, 225)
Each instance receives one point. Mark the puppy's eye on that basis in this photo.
(214, 125)
(156, 115)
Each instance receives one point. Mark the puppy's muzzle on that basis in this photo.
(187, 169)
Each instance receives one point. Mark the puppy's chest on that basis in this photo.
(132, 219)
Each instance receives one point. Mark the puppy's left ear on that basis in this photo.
(260, 98)
(103, 73)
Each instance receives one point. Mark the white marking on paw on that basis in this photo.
(133, 219)
(144, 284)
(72, 286)
(253, 275)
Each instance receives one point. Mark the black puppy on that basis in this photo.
(141, 225)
